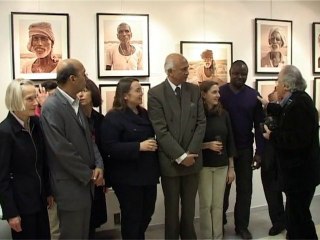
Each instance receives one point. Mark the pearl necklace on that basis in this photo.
(128, 55)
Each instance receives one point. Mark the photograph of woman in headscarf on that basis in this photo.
(276, 56)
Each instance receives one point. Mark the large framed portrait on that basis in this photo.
(265, 86)
(273, 45)
(108, 91)
(316, 94)
(39, 42)
(316, 47)
(123, 45)
(207, 60)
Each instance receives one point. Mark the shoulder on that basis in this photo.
(301, 97)
(157, 89)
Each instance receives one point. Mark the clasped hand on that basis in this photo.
(216, 146)
(190, 159)
(149, 145)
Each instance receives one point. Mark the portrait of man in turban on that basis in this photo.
(41, 41)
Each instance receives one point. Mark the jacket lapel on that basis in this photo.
(69, 109)
(185, 106)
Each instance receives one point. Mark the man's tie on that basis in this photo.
(178, 94)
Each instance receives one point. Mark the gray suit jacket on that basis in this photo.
(70, 153)
(178, 129)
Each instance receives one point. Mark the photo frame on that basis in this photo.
(316, 47)
(316, 94)
(32, 60)
(273, 44)
(108, 91)
(265, 86)
(115, 60)
(222, 55)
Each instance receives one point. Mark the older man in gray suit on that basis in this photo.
(176, 112)
(74, 162)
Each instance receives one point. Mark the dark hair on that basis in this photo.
(123, 87)
(65, 72)
(49, 85)
(204, 88)
(238, 62)
(95, 93)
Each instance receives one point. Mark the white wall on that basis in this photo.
(172, 22)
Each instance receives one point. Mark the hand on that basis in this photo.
(267, 132)
(256, 162)
(149, 145)
(214, 146)
(97, 177)
(42, 95)
(189, 160)
(263, 101)
(50, 202)
(230, 175)
(15, 223)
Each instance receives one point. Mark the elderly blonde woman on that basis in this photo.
(275, 57)
(24, 187)
(41, 41)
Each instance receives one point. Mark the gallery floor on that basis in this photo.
(259, 225)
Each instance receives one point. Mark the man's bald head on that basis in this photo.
(66, 68)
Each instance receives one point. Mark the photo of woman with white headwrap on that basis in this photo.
(276, 57)
(273, 45)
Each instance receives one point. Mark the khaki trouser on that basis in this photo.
(212, 183)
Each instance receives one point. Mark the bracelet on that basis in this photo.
(231, 166)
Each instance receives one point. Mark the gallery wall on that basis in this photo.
(169, 23)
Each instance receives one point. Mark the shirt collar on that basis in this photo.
(19, 120)
(74, 102)
(285, 100)
(174, 86)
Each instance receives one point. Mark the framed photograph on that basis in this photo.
(108, 92)
(316, 94)
(316, 47)
(265, 87)
(273, 45)
(208, 60)
(39, 42)
(123, 45)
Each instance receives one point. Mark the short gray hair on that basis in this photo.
(292, 78)
(123, 24)
(168, 65)
(14, 95)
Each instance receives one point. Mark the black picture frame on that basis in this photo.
(265, 86)
(222, 55)
(23, 56)
(107, 92)
(270, 58)
(316, 47)
(108, 47)
(316, 94)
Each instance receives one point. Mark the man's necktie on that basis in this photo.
(178, 94)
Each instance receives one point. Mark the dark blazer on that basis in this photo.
(70, 153)
(296, 141)
(121, 134)
(99, 208)
(24, 183)
(178, 129)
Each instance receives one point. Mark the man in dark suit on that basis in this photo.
(296, 141)
(176, 112)
(74, 163)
